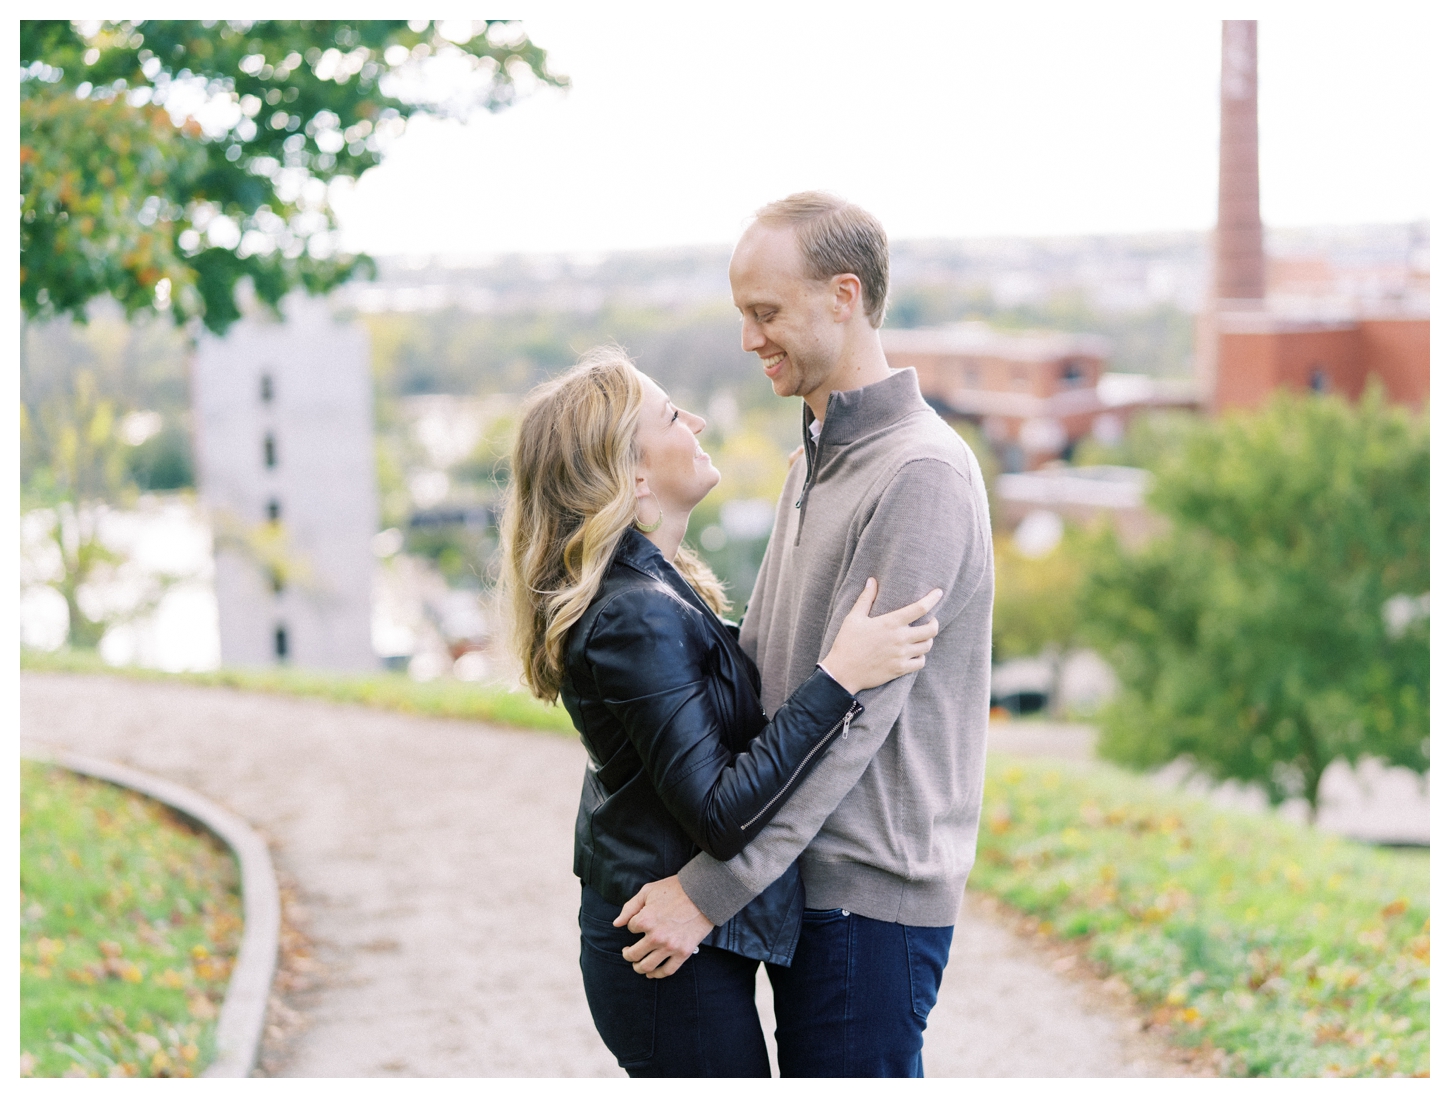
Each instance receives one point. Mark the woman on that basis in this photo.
(617, 618)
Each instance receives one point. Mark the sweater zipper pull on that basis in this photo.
(850, 715)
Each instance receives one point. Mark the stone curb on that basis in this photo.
(244, 1010)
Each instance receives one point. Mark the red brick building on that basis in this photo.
(1259, 352)
(1249, 343)
(1034, 394)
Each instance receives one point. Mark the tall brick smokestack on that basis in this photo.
(1239, 240)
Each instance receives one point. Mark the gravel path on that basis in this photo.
(433, 860)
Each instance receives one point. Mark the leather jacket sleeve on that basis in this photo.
(652, 665)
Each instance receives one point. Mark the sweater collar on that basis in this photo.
(856, 413)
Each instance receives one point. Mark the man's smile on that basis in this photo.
(772, 364)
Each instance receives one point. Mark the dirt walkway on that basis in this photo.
(433, 858)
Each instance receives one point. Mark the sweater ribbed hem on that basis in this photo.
(714, 889)
(879, 894)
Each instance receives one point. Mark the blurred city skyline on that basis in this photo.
(678, 125)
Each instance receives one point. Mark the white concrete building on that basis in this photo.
(284, 444)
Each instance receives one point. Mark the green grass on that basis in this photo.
(129, 924)
(1296, 953)
(382, 690)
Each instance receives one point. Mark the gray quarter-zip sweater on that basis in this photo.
(886, 825)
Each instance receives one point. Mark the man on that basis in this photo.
(885, 827)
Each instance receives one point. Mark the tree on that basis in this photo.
(84, 460)
(1034, 608)
(1283, 622)
(162, 162)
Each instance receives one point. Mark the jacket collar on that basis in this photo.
(856, 413)
(640, 553)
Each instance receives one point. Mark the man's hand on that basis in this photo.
(671, 924)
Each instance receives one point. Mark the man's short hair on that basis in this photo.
(837, 237)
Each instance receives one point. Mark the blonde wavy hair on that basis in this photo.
(570, 500)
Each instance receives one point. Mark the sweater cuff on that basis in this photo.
(713, 888)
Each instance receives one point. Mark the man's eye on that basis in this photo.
(675, 416)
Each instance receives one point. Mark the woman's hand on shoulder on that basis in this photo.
(871, 651)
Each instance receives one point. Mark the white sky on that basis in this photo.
(683, 119)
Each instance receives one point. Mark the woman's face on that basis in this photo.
(671, 462)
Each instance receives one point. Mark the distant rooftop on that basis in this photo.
(977, 338)
(1109, 486)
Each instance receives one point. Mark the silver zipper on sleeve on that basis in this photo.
(843, 723)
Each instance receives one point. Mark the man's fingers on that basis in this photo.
(667, 969)
(631, 908)
(660, 962)
(650, 961)
(648, 945)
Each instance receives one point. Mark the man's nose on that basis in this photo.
(750, 337)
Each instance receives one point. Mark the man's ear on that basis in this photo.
(846, 296)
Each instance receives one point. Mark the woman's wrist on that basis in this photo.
(836, 678)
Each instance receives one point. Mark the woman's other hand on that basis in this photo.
(870, 651)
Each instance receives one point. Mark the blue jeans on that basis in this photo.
(854, 1001)
(700, 1022)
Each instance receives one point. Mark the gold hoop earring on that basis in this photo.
(650, 529)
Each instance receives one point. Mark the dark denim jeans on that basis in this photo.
(854, 1001)
(700, 1022)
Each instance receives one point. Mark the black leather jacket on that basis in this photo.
(681, 758)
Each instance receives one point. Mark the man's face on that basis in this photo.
(785, 318)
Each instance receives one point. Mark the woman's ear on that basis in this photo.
(641, 486)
